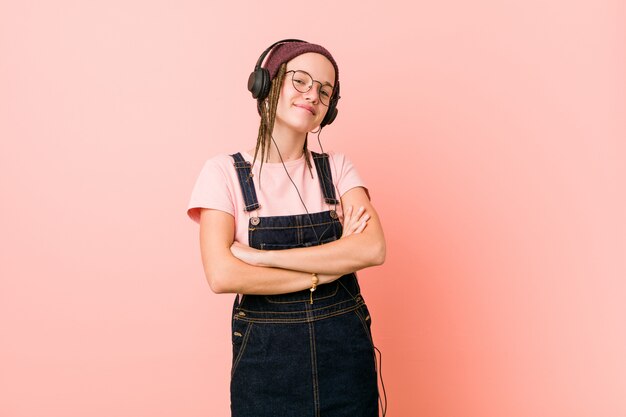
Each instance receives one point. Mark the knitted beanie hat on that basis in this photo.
(285, 52)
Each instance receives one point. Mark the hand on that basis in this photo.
(354, 223)
(247, 254)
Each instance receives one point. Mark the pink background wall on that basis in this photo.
(492, 134)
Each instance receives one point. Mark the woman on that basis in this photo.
(286, 229)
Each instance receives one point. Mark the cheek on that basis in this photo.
(283, 105)
(284, 98)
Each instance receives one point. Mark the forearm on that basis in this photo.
(227, 274)
(342, 256)
(358, 248)
(230, 275)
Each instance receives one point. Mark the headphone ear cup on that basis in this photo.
(259, 83)
(331, 113)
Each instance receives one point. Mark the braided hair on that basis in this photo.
(268, 117)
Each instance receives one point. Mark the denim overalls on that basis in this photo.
(292, 358)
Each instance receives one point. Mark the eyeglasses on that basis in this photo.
(303, 82)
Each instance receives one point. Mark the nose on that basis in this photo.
(314, 92)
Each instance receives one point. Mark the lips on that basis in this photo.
(306, 107)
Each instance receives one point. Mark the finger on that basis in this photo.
(347, 215)
(347, 221)
(355, 214)
(361, 227)
(356, 222)
(353, 229)
(359, 214)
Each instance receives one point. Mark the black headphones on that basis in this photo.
(259, 84)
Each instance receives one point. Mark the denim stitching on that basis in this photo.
(347, 290)
(325, 176)
(314, 369)
(256, 316)
(368, 333)
(244, 343)
(302, 320)
(298, 231)
(313, 310)
(250, 198)
(246, 183)
(292, 227)
(279, 246)
(364, 323)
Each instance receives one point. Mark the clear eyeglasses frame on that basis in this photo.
(303, 82)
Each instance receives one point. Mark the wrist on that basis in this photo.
(327, 278)
(314, 281)
(268, 258)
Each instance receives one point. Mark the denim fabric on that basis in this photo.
(323, 173)
(244, 174)
(292, 358)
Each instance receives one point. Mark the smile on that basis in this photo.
(305, 107)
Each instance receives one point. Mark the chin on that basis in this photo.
(298, 125)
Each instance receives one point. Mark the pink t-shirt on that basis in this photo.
(217, 187)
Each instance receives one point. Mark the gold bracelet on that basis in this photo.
(314, 281)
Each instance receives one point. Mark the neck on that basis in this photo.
(289, 143)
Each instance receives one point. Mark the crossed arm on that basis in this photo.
(231, 267)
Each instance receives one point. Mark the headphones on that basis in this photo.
(259, 85)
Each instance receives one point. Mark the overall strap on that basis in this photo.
(325, 177)
(244, 173)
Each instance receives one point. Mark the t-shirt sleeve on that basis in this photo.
(213, 189)
(347, 176)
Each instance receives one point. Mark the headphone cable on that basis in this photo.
(297, 191)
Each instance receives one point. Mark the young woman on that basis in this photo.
(286, 229)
